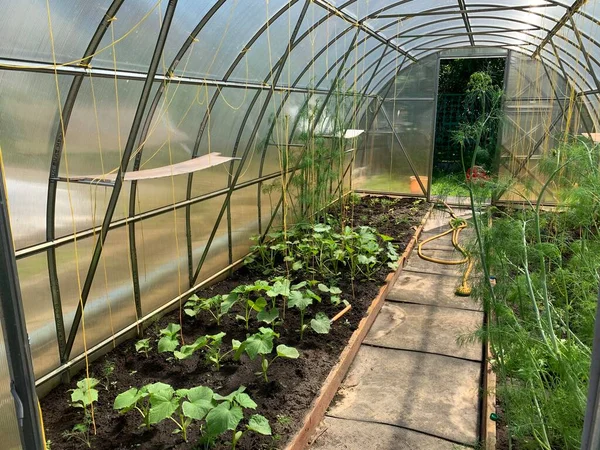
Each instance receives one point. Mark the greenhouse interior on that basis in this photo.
(300, 224)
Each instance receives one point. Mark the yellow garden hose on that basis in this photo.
(456, 226)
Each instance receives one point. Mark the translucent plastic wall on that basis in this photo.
(77, 105)
(95, 88)
(9, 428)
(396, 152)
(540, 110)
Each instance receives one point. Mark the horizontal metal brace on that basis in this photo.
(409, 99)
(103, 183)
(42, 67)
(38, 248)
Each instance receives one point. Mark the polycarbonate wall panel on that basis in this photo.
(28, 104)
(162, 258)
(400, 148)
(9, 427)
(538, 103)
(37, 305)
(110, 306)
(260, 60)
(318, 51)
(244, 220)
(204, 217)
(25, 32)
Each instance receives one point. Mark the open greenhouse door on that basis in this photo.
(469, 93)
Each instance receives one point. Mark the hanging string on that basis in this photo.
(66, 159)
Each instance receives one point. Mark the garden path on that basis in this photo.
(412, 386)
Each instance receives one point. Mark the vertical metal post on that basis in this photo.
(590, 440)
(15, 335)
(434, 125)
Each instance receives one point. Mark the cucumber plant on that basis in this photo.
(143, 346)
(85, 394)
(213, 350)
(157, 402)
(212, 305)
(261, 344)
(169, 340)
(185, 351)
(249, 296)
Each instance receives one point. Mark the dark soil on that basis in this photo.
(293, 383)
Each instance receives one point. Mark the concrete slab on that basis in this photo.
(428, 289)
(426, 328)
(340, 434)
(434, 394)
(421, 265)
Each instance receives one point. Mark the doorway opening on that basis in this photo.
(457, 108)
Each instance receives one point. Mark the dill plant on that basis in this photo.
(542, 308)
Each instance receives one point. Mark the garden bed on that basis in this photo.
(293, 383)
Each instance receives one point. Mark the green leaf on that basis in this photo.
(159, 388)
(142, 344)
(190, 312)
(171, 330)
(259, 424)
(268, 316)
(188, 350)
(231, 396)
(259, 304)
(245, 401)
(128, 399)
(321, 228)
(217, 338)
(228, 302)
(283, 351)
(334, 290)
(258, 344)
(84, 398)
(300, 285)
(87, 383)
(223, 418)
(198, 409)
(279, 288)
(162, 407)
(298, 300)
(386, 238)
(297, 265)
(200, 393)
(322, 287)
(167, 344)
(321, 323)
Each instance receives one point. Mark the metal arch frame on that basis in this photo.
(112, 203)
(577, 4)
(62, 125)
(377, 13)
(143, 134)
(282, 104)
(233, 180)
(392, 61)
(463, 12)
(360, 24)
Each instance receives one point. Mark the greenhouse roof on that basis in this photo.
(252, 35)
